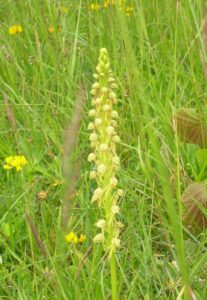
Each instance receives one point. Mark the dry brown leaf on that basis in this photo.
(194, 200)
(191, 127)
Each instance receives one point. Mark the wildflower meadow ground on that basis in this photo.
(103, 150)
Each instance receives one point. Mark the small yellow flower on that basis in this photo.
(57, 182)
(19, 28)
(15, 29)
(108, 2)
(70, 237)
(94, 6)
(16, 161)
(51, 29)
(82, 238)
(64, 9)
(73, 238)
(129, 10)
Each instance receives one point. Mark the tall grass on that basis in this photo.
(155, 54)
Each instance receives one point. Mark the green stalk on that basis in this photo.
(113, 277)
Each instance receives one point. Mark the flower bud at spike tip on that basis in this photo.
(103, 51)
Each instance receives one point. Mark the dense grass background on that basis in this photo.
(155, 54)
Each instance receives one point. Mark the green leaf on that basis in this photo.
(201, 156)
(6, 230)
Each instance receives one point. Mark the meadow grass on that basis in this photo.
(155, 55)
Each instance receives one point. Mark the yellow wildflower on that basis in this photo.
(16, 161)
(57, 182)
(70, 237)
(19, 28)
(94, 6)
(73, 238)
(64, 9)
(128, 10)
(108, 3)
(112, 2)
(51, 29)
(15, 29)
(82, 238)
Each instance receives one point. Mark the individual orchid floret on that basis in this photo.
(98, 238)
(101, 223)
(97, 194)
(91, 157)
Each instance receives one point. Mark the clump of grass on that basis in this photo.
(104, 139)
